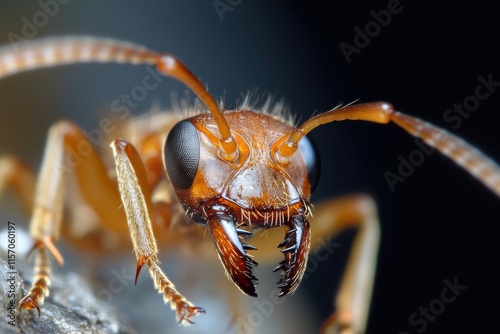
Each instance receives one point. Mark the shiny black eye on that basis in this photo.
(182, 154)
(313, 163)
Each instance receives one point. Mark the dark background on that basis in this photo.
(439, 224)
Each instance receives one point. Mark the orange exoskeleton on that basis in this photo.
(231, 171)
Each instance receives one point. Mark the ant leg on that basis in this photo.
(132, 182)
(60, 158)
(332, 217)
(16, 174)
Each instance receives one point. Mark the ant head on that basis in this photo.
(249, 192)
(204, 151)
(228, 172)
(198, 172)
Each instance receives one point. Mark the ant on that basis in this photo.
(230, 171)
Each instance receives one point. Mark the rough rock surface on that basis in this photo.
(70, 308)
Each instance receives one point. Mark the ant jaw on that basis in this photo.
(232, 252)
(295, 247)
(239, 265)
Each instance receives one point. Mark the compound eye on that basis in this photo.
(181, 154)
(311, 156)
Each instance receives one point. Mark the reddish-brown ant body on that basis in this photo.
(231, 172)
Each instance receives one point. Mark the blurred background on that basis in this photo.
(439, 224)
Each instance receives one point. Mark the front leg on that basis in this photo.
(46, 200)
(353, 299)
(132, 183)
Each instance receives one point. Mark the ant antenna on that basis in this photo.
(70, 50)
(377, 112)
(170, 65)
